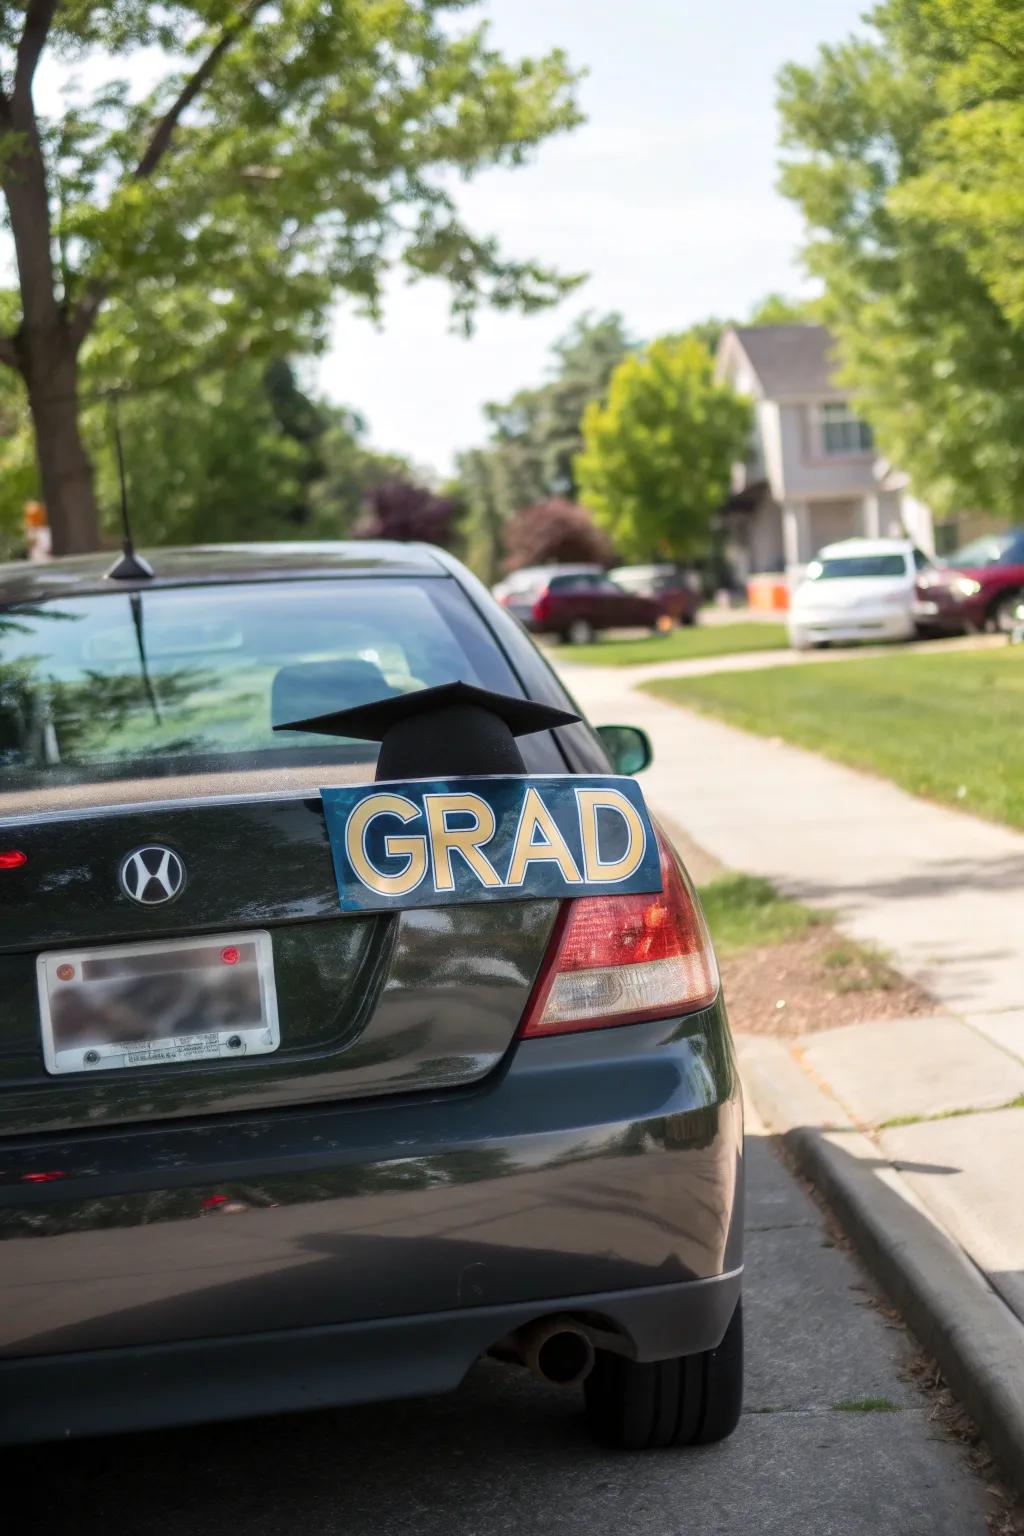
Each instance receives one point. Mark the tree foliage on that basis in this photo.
(244, 455)
(555, 532)
(401, 509)
(18, 478)
(239, 455)
(536, 437)
(217, 462)
(290, 152)
(970, 188)
(656, 459)
(348, 470)
(780, 309)
(923, 309)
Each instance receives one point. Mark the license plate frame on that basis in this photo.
(221, 1039)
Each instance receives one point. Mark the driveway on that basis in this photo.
(509, 1457)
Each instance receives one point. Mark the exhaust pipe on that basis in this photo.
(556, 1349)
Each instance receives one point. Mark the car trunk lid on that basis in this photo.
(418, 1001)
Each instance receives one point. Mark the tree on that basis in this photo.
(535, 437)
(483, 512)
(233, 456)
(779, 309)
(555, 532)
(584, 361)
(538, 430)
(657, 457)
(240, 455)
(933, 358)
(969, 191)
(349, 470)
(399, 509)
(288, 154)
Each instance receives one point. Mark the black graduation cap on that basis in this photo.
(449, 731)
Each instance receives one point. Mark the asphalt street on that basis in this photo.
(835, 1441)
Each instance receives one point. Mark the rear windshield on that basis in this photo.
(848, 566)
(648, 579)
(519, 585)
(187, 681)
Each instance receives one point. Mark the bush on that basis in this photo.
(555, 532)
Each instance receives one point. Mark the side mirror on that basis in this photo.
(628, 747)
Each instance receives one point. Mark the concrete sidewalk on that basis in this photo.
(941, 890)
(938, 1102)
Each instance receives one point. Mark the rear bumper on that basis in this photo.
(597, 1165)
(113, 1391)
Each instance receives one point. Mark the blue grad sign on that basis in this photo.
(437, 842)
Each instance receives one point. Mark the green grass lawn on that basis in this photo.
(747, 912)
(948, 726)
(682, 644)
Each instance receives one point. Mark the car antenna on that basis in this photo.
(130, 566)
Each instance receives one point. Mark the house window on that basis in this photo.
(842, 431)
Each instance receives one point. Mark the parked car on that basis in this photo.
(520, 590)
(418, 1162)
(858, 589)
(979, 587)
(674, 588)
(577, 602)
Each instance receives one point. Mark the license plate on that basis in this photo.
(149, 1005)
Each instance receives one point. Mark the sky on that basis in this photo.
(665, 197)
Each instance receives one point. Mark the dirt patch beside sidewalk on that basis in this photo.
(817, 981)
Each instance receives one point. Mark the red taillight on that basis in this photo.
(12, 858)
(621, 959)
(542, 607)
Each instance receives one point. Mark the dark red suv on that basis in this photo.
(674, 588)
(576, 602)
(979, 587)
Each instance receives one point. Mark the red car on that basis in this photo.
(575, 603)
(979, 587)
(677, 591)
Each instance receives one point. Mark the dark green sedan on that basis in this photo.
(261, 1154)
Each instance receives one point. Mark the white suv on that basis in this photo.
(860, 589)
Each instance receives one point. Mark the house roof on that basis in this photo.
(790, 359)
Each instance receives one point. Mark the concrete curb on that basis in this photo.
(946, 1301)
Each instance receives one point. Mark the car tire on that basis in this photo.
(637, 1405)
(580, 632)
(1003, 613)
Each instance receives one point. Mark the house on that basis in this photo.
(812, 474)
